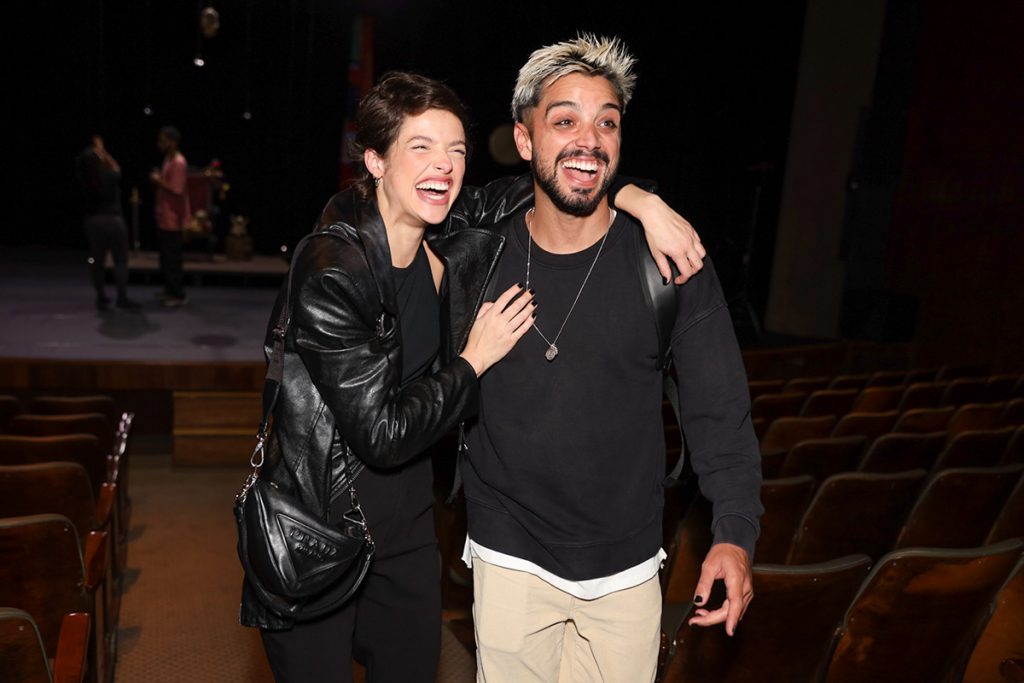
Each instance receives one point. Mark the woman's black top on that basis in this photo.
(419, 313)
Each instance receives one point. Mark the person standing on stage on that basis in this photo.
(99, 177)
(172, 213)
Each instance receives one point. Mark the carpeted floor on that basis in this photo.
(179, 614)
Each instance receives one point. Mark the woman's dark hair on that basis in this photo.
(383, 110)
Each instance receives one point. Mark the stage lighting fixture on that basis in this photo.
(247, 115)
(147, 110)
(209, 22)
(199, 61)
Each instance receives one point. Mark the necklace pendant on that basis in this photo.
(551, 353)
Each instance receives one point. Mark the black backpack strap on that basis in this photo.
(662, 300)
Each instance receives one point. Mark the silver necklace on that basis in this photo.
(552, 351)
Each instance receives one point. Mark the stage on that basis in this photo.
(192, 373)
(49, 313)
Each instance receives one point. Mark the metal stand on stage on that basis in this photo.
(134, 201)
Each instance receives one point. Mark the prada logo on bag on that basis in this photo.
(307, 544)
(310, 552)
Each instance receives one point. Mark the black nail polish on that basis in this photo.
(531, 291)
(698, 599)
(519, 285)
(664, 280)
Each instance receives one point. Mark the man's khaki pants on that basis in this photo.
(529, 631)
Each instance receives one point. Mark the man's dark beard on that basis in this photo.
(575, 204)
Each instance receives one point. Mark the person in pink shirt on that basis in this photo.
(172, 213)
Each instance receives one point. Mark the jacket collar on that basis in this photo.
(470, 257)
(351, 214)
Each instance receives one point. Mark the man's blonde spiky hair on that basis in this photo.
(588, 54)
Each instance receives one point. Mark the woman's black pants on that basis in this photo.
(393, 625)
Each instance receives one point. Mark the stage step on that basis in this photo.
(215, 427)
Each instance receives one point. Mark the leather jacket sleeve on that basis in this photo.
(348, 345)
(478, 206)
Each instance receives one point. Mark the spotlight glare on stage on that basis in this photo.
(199, 61)
(147, 110)
(247, 115)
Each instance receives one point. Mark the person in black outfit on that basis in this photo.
(99, 177)
(370, 382)
(563, 467)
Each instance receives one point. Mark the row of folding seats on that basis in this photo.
(808, 618)
(808, 530)
(916, 614)
(896, 452)
(786, 432)
(861, 512)
(878, 378)
(63, 519)
(766, 406)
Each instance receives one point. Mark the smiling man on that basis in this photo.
(564, 466)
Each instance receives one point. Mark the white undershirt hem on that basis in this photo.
(588, 589)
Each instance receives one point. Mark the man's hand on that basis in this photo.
(730, 563)
(669, 235)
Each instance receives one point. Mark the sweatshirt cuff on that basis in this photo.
(736, 530)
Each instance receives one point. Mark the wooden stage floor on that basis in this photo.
(48, 310)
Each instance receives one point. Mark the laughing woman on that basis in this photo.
(388, 336)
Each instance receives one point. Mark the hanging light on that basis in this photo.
(209, 22)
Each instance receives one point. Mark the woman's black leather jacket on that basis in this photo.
(340, 394)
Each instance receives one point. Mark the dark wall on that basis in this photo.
(713, 100)
(937, 233)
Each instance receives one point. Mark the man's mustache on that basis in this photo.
(597, 153)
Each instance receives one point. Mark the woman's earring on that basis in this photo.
(376, 182)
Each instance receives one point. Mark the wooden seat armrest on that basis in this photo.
(95, 559)
(1012, 670)
(105, 504)
(113, 468)
(673, 616)
(72, 649)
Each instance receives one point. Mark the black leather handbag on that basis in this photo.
(300, 565)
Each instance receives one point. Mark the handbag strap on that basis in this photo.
(275, 366)
(275, 375)
(273, 378)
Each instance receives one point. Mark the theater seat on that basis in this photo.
(918, 613)
(770, 644)
(45, 572)
(855, 512)
(23, 658)
(958, 507)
